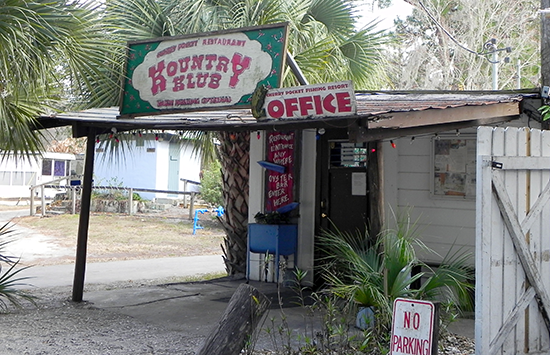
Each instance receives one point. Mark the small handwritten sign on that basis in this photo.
(280, 186)
(413, 327)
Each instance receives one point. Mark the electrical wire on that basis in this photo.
(447, 32)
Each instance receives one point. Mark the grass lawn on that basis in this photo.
(123, 237)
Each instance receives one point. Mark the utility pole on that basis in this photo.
(492, 49)
(545, 47)
(545, 43)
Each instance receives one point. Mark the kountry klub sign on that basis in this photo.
(202, 71)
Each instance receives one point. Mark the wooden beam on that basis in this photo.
(84, 220)
(385, 133)
(511, 321)
(244, 312)
(441, 116)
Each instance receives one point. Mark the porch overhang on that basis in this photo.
(379, 115)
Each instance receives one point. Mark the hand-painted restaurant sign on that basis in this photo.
(310, 101)
(280, 185)
(202, 71)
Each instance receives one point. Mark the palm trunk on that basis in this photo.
(235, 159)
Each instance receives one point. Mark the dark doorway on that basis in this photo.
(344, 198)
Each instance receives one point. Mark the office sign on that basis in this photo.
(311, 101)
(202, 71)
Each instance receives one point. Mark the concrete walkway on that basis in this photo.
(128, 270)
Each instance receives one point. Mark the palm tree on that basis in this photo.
(51, 54)
(322, 39)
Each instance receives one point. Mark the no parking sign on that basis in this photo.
(415, 327)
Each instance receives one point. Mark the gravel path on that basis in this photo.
(60, 327)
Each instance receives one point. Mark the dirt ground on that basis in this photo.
(52, 240)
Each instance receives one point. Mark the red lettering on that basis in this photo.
(318, 104)
(184, 64)
(305, 105)
(327, 103)
(201, 79)
(343, 101)
(190, 82)
(291, 105)
(222, 64)
(275, 109)
(178, 83)
(214, 81)
(416, 320)
(172, 68)
(239, 65)
(159, 81)
(209, 59)
(407, 320)
(197, 62)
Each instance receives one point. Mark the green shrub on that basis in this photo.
(375, 274)
(211, 184)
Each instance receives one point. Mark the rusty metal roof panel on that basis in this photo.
(373, 104)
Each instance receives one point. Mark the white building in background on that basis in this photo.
(18, 175)
(149, 162)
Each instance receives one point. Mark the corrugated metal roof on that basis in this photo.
(383, 103)
(372, 106)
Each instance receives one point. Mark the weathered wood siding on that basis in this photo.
(513, 241)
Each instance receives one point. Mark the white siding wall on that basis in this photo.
(17, 176)
(442, 222)
(141, 168)
(190, 165)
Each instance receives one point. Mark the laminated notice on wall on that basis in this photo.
(359, 184)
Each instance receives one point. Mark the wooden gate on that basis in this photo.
(513, 241)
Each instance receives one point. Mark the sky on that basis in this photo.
(399, 8)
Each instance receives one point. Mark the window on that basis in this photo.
(454, 167)
(47, 167)
(18, 178)
(348, 155)
(59, 168)
(30, 178)
(5, 177)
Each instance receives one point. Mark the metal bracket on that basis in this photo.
(496, 165)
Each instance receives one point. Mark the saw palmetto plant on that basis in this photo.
(10, 279)
(374, 273)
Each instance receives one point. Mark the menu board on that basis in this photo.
(454, 167)
(280, 185)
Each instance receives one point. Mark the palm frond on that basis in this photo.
(9, 291)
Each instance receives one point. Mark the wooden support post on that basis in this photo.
(131, 201)
(375, 188)
(73, 202)
(32, 202)
(84, 220)
(243, 313)
(192, 206)
(43, 200)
